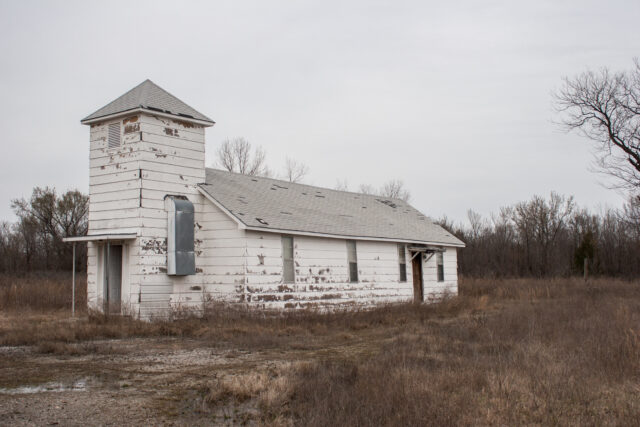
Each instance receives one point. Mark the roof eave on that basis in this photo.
(353, 237)
(93, 120)
(243, 226)
(100, 237)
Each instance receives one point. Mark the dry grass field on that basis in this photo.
(504, 352)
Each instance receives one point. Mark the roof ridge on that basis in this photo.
(376, 196)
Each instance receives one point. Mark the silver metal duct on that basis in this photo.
(181, 260)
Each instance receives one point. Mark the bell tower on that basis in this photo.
(145, 146)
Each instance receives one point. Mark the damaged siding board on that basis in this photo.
(116, 186)
(114, 205)
(172, 142)
(150, 175)
(155, 165)
(170, 128)
(115, 177)
(321, 273)
(160, 149)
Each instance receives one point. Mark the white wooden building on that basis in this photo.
(167, 232)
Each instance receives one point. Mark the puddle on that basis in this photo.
(80, 385)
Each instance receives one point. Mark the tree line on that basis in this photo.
(34, 241)
(545, 237)
(541, 237)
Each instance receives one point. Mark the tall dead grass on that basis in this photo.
(45, 290)
(557, 353)
(503, 352)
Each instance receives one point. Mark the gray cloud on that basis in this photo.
(452, 98)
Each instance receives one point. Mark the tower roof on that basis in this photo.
(149, 96)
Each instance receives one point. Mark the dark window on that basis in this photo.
(402, 260)
(440, 263)
(353, 261)
(288, 273)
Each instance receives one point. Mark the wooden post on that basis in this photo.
(106, 278)
(586, 268)
(73, 283)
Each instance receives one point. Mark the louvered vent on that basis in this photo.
(114, 135)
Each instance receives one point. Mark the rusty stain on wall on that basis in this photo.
(131, 128)
(132, 119)
(171, 131)
(157, 246)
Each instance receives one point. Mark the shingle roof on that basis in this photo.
(272, 204)
(150, 96)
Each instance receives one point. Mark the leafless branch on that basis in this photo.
(605, 108)
(238, 155)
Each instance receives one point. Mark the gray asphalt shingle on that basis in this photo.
(280, 205)
(150, 96)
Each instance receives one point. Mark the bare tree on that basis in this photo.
(605, 107)
(55, 216)
(295, 171)
(341, 185)
(366, 189)
(238, 155)
(539, 223)
(631, 212)
(45, 219)
(395, 189)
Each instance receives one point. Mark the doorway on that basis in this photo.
(416, 264)
(112, 278)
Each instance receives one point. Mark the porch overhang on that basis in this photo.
(101, 237)
(415, 250)
(425, 249)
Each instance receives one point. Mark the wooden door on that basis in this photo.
(416, 264)
(113, 278)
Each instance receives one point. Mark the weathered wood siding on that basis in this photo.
(172, 164)
(114, 198)
(220, 262)
(433, 289)
(160, 157)
(128, 184)
(321, 273)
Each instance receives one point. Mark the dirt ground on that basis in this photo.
(141, 381)
(509, 352)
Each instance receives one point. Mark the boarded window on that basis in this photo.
(114, 135)
(288, 272)
(402, 260)
(353, 261)
(440, 263)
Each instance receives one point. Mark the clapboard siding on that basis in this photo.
(220, 267)
(128, 184)
(321, 273)
(171, 154)
(434, 289)
(159, 157)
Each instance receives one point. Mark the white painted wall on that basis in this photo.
(160, 157)
(321, 273)
(433, 289)
(157, 157)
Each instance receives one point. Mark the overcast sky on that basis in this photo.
(453, 98)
